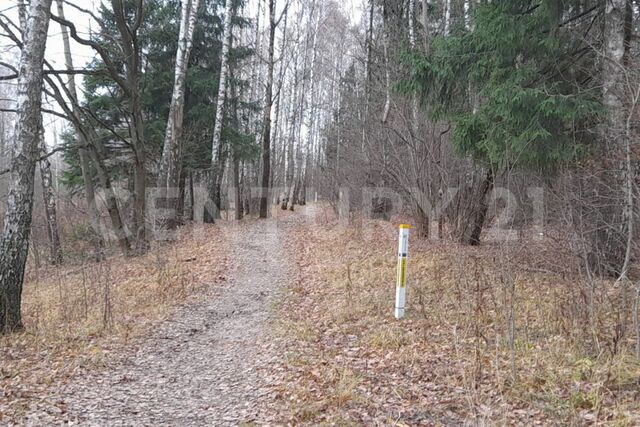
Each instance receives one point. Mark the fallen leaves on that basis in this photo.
(81, 316)
(448, 362)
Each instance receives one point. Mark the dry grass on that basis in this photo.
(79, 316)
(492, 336)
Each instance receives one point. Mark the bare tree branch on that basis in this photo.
(46, 156)
(106, 58)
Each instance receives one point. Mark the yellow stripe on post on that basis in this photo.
(402, 268)
(401, 282)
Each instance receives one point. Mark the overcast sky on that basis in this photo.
(84, 54)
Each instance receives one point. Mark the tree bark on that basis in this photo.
(369, 60)
(425, 22)
(89, 188)
(480, 212)
(412, 43)
(191, 198)
(50, 208)
(237, 192)
(304, 165)
(171, 163)
(217, 156)
(87, 134)
(48, 196)
(613, 84)
(14, 244)
(182, 192)
(387, 73)
(266, 132)
(289, 162)
(132, 55)
(218, 174)
(97, 153)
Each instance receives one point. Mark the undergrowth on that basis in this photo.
(491, 335)
(77, 316)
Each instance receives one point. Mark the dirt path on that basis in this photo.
(205, 366)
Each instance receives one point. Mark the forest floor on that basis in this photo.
(494, 335)
(207, 363)
(289, 321)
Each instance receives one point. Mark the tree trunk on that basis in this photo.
(191, 197)
(182, 192)
(296, 165)
(279, 97)
(111, 199)
(289, 162)
(387, 74)
(218, 177)
(89, 188)
(139, 202)
(89, 145)
(3, 142)
(304, 165)
(14, 244)
(412, 43)
(266, 132)
(237, 200)
(247, 182)
(171, 164)
(50, 208)
(369, 60)
(480, 211)
(217, 157)
(611, 243)
(425, 22)
(132, 52)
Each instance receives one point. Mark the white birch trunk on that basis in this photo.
(218, 157)
(412, 42)
(387, 75)
(447, 17)
(302, 177)
(50, 208)
(613, 72)
(170, 166)
(268, 99)
(14, 243)
(613, 84)
(615, 132)
(222, 88)
(48, 195)
(412, 18)
(297, 163)
(425, 20)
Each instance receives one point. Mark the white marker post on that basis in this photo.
(401, 282)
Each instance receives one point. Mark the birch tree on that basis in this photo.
(613, 86)
(412, 43)
(217, 157)
(14, 243)
(268, 105)
(171, 163)
(50, 205)
(304, 165)
(46, 177)
(296, 159)
(387, 73)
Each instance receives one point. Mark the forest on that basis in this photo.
(207, 193)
